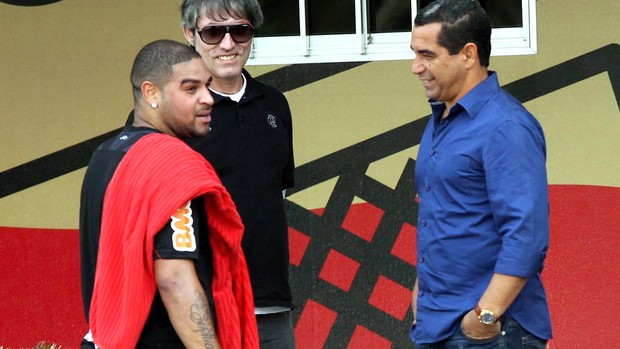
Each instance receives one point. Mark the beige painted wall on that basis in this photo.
(65, 70)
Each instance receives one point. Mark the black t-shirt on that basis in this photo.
(250, 146)
(189, 240)
(101, 168)
(184, 237)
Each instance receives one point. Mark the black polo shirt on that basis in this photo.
(250, 145)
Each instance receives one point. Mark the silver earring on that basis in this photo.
(154, 105)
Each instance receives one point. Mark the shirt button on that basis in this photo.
(423, 223)
(427, 188)
(432, 152)
(421, 293)
(421, 259)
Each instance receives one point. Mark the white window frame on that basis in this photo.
(363, 46)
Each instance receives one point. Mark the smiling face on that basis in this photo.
(226, 59)
(443, 75)
(185, 101)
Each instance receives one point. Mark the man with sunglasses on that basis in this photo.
(250, 145)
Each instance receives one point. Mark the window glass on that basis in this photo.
(281, 18)
(503, 14)
(387, 16)
(331, 17)
(343, 31)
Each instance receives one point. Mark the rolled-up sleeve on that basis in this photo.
(514, 161)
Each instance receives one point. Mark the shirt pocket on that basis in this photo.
(460, 177)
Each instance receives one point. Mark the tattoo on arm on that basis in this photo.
(200, 314)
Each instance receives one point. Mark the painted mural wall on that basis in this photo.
(64, 88)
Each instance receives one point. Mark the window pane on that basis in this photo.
(330, 17)
(503, 14)
(281, 18)
(388, 16)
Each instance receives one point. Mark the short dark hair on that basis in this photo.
(154, 63)
(462, 21)
(191, 10)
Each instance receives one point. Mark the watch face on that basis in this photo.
(487, 318)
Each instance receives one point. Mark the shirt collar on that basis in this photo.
(234, 96)
(473, 101)
(252, 89)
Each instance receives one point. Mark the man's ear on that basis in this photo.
(150, 92)
(189, 36)
(470, 54)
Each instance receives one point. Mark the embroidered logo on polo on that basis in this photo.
(271, 120)
(183, 238)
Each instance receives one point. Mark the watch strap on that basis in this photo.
(477, 309)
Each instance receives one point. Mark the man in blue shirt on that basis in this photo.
(483, 221)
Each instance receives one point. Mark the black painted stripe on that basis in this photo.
(77, 156)
(50, 166)
(294, 76)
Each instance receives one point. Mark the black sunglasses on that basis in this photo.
(212, 35)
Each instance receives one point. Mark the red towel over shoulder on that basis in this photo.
(158, 175)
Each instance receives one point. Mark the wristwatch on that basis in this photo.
(485, 316)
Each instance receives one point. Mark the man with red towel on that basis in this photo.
(160, 238)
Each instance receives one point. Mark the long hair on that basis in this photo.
(191, 10)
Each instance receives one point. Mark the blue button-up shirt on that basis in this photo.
(483, 209)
